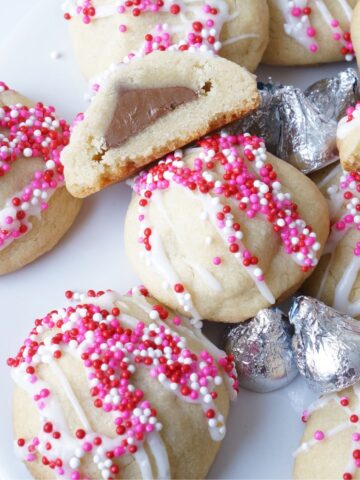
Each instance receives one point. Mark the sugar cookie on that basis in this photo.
(336, 281)
(119, 387)
(308, 32)
(35, 208)
(107, 31)
(224, 229)
(348, 139)
(330, 448)
(355, 30)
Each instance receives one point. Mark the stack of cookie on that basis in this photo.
(218, 228)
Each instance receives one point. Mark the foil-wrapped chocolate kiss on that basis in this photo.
(326, 345)
(262, 351)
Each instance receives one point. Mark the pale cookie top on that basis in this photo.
(298, 24)
(199, 23)
(344, 202)
(225, 167)
(100, 331)
(350, 123)
(345, 419)
(29, 133)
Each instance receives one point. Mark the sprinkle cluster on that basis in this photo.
(321, 435)
(233, 171)
(200, 25)
(353, 113)
(29, 132)
(302, 16)
(111, 351)
(349, 187)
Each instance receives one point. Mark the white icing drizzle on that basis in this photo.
(70, 395)
(344, 288)
(292, 26)
(346, 127)
(50, 410)
(337, 205)
(297, 27)
(212, 206)
(195, 333)
(207, 277)
(238, 38)
(305, 447)
(144, 464)
(158, 449)
(347, 9)
(159, 260)
(345, 425)
(190, 10)
(329, 176)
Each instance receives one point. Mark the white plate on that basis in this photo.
(263, 430)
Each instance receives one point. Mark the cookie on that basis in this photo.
(355, 30)
(106, 32)
(330, 448)
(348, 139)
(119, 387)
(224, 229)
(150, 107)
(309, 32)
(35, 208)
(335, 280)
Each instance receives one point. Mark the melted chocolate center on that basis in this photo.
(138, 108)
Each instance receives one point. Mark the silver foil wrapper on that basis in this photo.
(300, 127)
(262, 351)
(326, 345)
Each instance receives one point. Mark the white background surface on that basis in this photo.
(263, 430)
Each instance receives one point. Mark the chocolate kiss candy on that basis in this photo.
(326, 345)
(262, 351)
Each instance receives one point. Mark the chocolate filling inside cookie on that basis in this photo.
(138, 108)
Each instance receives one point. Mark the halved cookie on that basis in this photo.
(150, 107)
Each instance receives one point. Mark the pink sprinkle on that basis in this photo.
(217, 261)
(311, 32)
(314, 48)
(296, 12)
(87, 447)
(122, 28)
(319, 435)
